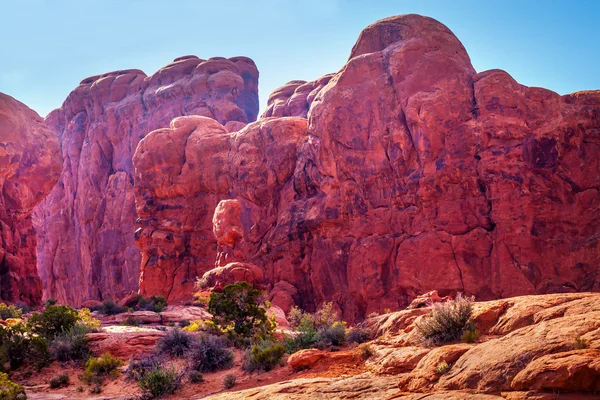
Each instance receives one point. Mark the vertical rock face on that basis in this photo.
(86, 226)
(29, 167)
(414, 173)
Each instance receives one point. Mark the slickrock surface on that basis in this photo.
(412, 173)
(86, 225)
(29, 167)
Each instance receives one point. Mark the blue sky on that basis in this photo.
(48, 46)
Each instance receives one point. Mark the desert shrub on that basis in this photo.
(137, 369)
(175, 343)
(10, 390)
(50, 302)
(97, 368)
(210, 353)
(470, 333)
(447, 321)
(59, 381)
(207, 326)
(11, 311)
(358, 335)
(80, 389)
(579, 343)
(325, 317)
(183, 323)
(229, 381)
(365, 351)
(263, 357)
(201, 301)
(240, 310)
(295, 316)
(130, 321)
(19, 346)
(304, 339)
(195, 377)
(85, 318)
(71, 345)
(53, 321)
(109, 307)
(442, 368)
(153, 303)
(334, 335)
(159, 382)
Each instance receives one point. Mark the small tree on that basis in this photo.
(240, 308)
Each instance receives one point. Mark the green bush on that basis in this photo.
(447, 321)
(263, 357)
(334, 335)
(130, 321)
(305, 339)
(71, 345)
(176, 343)
(470, 333)
(159, 382)
(365, 351)
(209, 354)
(10, 390)
(53, 321)
(154, 303)
(195, 377)
(240, 310)
(59, 381)
(97, 368)
(11, 311)
(19, 346)
(109, 307)
(137, 369)
(358, 335)
(229, 381)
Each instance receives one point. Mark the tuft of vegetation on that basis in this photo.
(209, 354)
(85, 318)
(10, 390)
(59, 381)
(72, 345)
(50, 302)
(137, 369)
(201, 301)
(195, 377)
(54, 321)
(579, 343)
(317, 330)
(183, 323)
(229, 381)
(240, 311)
(98, 368)
(153, 303)
(130, 321)
(109, 307)
(80, 389)
(365, 351)
(176, 343)
(19, 346)
(358, 335)
(11, 311)
(207, 326)
(334, 335)
(263, 357)
(442, 368)
(447, 321)
(470, 334)
(159, 382)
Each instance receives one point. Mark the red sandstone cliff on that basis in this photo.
(29, 168)
(86, 225)
(413, 173)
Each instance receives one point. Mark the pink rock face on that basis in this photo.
(294, 98)
(29, 167)
(86, 225)
(415, 173)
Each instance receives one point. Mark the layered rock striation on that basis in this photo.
(86, 225)
(412, 172)
(30, 165)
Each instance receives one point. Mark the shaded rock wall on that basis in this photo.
(86, 225)
(414, 173)
(29, 167)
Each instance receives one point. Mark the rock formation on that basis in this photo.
(294, 98)
(29, 168)
(86, 225)
(412, 173)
